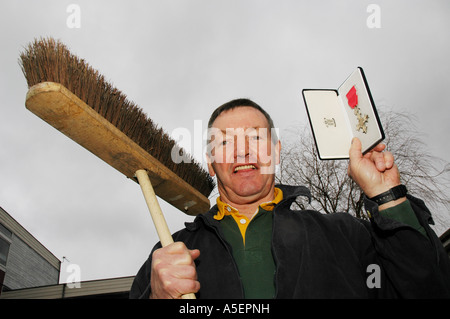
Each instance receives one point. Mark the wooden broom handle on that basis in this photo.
(157, 215)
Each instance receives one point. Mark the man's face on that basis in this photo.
(242, 155)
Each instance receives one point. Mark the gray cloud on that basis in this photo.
(178, 60)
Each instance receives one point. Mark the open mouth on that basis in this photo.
(244, 167)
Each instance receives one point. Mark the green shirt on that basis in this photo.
(254, 259)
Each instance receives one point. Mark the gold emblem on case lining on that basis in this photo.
(329, 122)
(362, 120)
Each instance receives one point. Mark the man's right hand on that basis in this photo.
(173, 272)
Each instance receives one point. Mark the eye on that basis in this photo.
(226, 141)
(255, 137)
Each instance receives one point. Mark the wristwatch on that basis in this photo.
(392, 194)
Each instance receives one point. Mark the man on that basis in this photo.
(252, 245)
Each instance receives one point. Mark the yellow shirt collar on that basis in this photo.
(226, 209)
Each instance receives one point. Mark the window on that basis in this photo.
(5, 231)
(4, 248)
(5, 235)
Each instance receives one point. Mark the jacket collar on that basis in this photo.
(290, 193)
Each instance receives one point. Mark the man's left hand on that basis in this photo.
(375, 172)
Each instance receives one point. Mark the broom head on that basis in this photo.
(75, 99)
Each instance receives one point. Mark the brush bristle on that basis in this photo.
(47, 60)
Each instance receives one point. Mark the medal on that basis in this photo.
(352, 98)
(362, 120)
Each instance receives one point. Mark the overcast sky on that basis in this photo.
(180, 59)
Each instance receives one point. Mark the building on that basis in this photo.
(24, 261)
(114, 288)
(28, 270)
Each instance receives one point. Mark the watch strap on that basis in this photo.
(392, 194)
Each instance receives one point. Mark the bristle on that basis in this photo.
(49, 60)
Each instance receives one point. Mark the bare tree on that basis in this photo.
(333, 191)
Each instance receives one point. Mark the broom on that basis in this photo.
(74, 98)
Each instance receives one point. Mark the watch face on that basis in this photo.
(399, 191)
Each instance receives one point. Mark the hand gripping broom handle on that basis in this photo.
(155, 211)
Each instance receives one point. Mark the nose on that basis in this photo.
(241, 149)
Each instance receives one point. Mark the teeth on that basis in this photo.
(244, 167)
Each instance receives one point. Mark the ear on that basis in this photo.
(210, 166)
(278, 153)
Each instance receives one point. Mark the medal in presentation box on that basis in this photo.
(336, 116)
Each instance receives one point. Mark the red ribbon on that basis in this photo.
(352, 97)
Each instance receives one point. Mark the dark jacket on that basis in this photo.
(323, 256)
